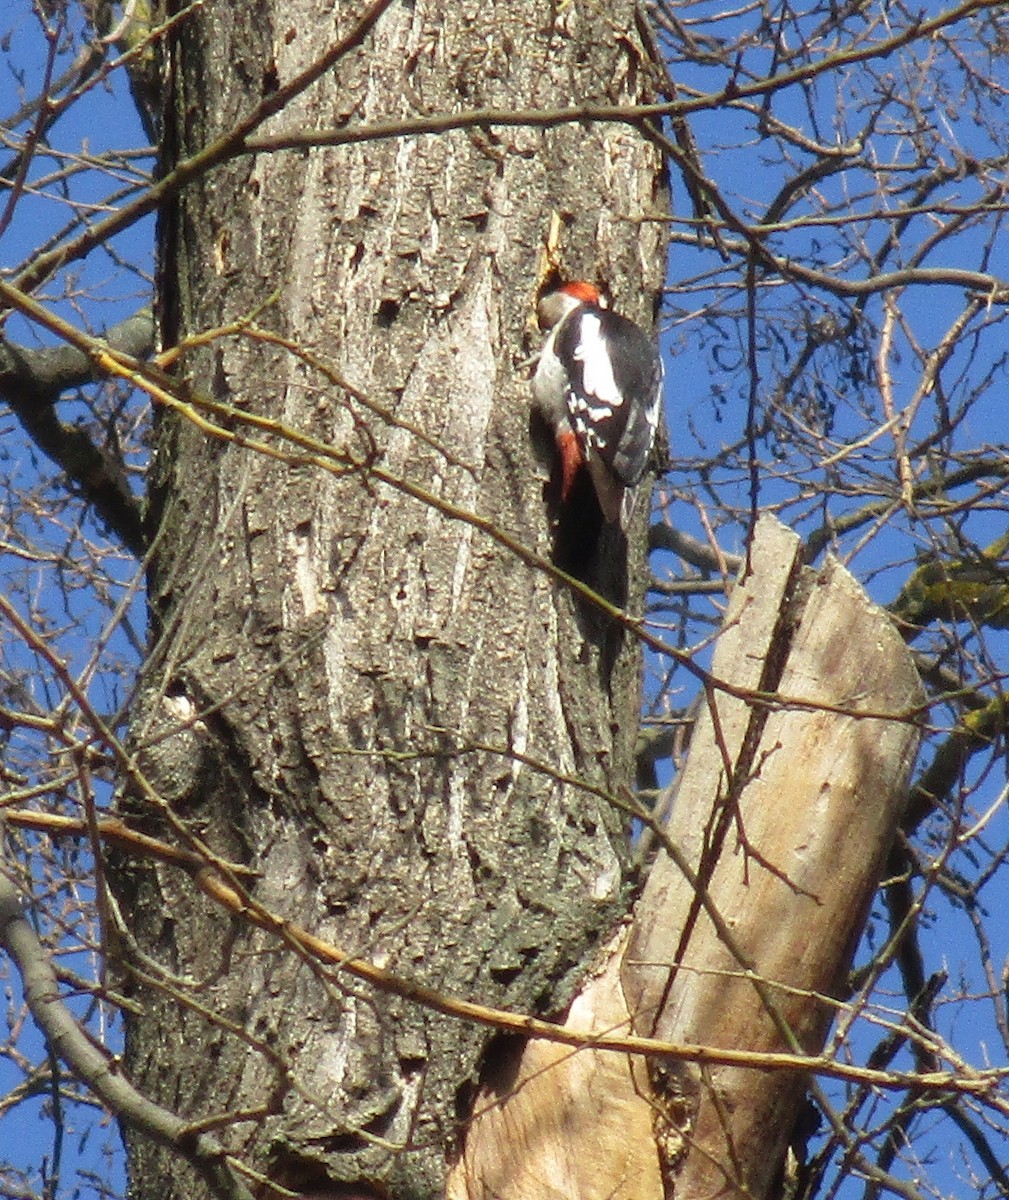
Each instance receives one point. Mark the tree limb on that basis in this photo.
(92, 1065)
(663, 536)
(32, 380)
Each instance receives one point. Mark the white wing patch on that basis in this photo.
(597, 370)
(613, 418)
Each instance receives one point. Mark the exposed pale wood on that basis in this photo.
(817, 798)
(578, 1124)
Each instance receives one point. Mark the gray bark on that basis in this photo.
(343, 644)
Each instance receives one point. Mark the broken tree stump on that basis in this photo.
(794, 786)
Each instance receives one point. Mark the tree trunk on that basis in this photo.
(783, 818)
(331, 657)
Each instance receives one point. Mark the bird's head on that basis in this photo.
(555, 305)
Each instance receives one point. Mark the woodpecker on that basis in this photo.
(597, 385)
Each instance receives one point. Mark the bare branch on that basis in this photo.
(96, 1068)
(32, 380)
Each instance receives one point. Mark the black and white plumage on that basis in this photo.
(598, 385)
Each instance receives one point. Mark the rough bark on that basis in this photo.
(342, 644)
(788, 842)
